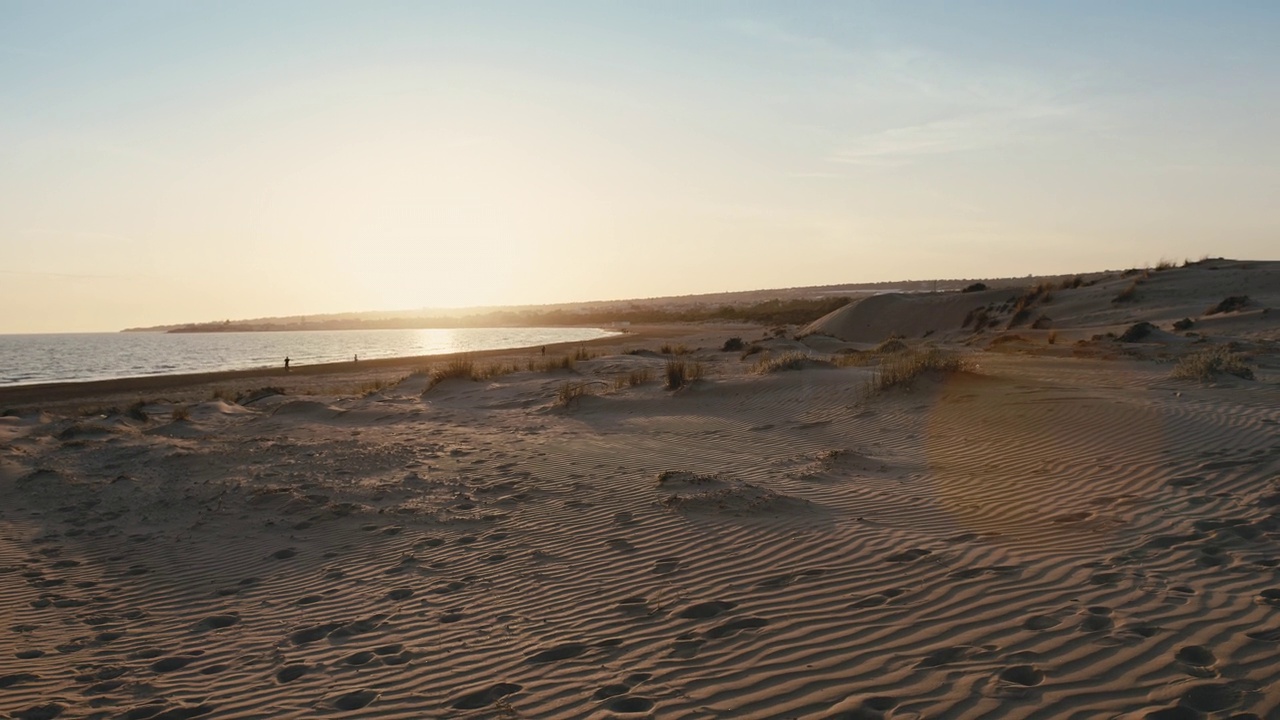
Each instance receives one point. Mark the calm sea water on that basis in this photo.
(26, 359)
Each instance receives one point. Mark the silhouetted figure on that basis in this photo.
(286, 363)
(355, 358)
(544, 350)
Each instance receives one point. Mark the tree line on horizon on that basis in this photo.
(797, 311)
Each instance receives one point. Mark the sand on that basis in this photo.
(1059, 531)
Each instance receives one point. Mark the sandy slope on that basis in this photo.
(1042, 537)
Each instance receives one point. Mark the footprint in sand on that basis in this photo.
(557, 653)
(733, 627)
(172, 663)
(482, 698)
(354, 700)
(47, 711)
(216, 622)
(666, 566)
(1023, 675)
(907, 556)
(289, 673)
(705, 610)
(1197, 659)
(626, 704)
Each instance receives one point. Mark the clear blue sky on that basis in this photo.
(167, 162)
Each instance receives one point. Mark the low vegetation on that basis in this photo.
(1183, 324)
(180, 412)
(975, 287)
(682, 372)
(901, 369)
(786, 361)
(669, 349)
(733, 344)
(569, 392)
(1209, 363)
(137, 411)
(890, 346)
(1129, 294)
(632, 379)
(1230, 304)
(1137, 332)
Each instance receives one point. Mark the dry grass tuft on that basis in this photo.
(680, 373)
(1230, 304)
(733, 344)
(569, 392)
(1129, 294)
(1053, 337)
(462, 368)
(181, 412)
(137, 411)
(632, 379)
(669, 349)
(1207, 364)
(890, 346)
(903, 368)
(751, 350)
(1137, 332)
(786, 361)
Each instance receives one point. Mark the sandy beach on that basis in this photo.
(1062, 525)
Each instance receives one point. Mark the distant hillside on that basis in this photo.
(776, 306)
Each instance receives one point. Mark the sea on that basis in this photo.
(29, 359)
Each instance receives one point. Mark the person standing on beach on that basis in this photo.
(355, 358)
(286, 363)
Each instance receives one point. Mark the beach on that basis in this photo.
(1050, 518)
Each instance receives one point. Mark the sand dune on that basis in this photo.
(1043, 535)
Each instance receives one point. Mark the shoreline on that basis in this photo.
(119, 390)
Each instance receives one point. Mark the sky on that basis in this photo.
(167, 162)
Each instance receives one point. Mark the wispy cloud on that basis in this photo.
(886, 105)
(964, 132)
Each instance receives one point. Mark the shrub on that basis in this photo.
(1230, 304)
(892, 345)
(903, 368)
(137, 412)
(1165, 265)
(669, 349)
(787, 361)
(1129, 294)
(1137, 332)
(633, 378)
(181, 412)
(680, 373)
(255, 395)
(1042, 323)
(978, 317)
(751, 350)
(1206, 364)
(733, 344)
(460, 368)
(1072, 283)
(975, 287)
(1183, 324)
(564, 362)
(569, 392)
(1006, 338)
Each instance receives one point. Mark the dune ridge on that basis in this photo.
(1044, 534)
